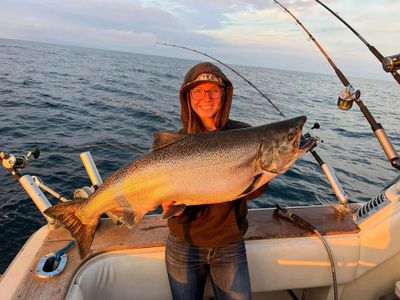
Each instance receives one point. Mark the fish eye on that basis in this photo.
(290, 137)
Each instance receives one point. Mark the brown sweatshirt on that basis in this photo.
(213, 225)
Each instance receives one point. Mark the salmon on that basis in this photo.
(190, 169)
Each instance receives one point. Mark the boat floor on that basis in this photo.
(152, 232)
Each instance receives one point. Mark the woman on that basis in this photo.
(207, 240)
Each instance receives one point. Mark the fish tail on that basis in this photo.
(65, 214)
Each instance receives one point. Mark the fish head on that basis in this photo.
(284, 145)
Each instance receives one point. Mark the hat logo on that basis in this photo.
(208, 77)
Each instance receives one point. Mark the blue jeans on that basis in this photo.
(188, 267)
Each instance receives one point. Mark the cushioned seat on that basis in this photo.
(133, 274)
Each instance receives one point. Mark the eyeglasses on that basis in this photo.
(199, 94)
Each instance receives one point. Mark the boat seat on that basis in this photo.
(133, 274)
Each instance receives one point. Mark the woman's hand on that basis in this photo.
(168, 205)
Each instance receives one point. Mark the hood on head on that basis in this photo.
(201, 73)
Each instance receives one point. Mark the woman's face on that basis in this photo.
(205, 100)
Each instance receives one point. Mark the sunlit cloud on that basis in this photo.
(254, 32)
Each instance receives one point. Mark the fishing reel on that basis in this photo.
(347, 97)
(12, 162)
(307, 138)
(391, 63)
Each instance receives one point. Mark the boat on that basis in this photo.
(287, 260)
(343, 251)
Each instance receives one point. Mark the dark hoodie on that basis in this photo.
(213, 225)
(187, 114)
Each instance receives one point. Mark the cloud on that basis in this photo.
(238, 30)
(60, 31)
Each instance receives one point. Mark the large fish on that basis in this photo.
(191, 169)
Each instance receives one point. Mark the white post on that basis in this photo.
(91, 168)
(36, 195)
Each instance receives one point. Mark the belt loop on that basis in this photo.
(210, 254)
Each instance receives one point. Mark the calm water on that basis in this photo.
(66, 100)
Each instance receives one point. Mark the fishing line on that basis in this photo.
(342, 78)
(167, 121)
(149, 110)
(9, 201)
(114, 145)
(230, 68)
(131, 147)
(390, 64)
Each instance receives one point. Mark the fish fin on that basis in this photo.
(114, 216)
(164, 138)
(252, 186)
(121, 216)
(173, 210)
(138, 216)
(83, 234)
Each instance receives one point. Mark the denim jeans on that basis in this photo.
(188, 267)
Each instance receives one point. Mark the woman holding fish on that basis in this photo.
(202, 174)
(207, 240)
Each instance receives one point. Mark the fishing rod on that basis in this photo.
(391, 64)
(230, 68)
(350, 95)
(327, 170)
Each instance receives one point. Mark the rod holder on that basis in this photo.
(329, 172)
(380, 134)
(386, 144)
(91, 168)
(337, 188)
(36, 195)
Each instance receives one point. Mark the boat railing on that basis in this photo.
(51, 264)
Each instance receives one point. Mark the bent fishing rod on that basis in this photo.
(326, 168)
(350, 95)
(230, 68)
(391, 64)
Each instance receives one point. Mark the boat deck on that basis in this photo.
(152, 232)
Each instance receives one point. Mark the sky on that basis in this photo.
(255, 33)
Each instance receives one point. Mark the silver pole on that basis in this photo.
(337, 188)
(36, 195)
(91, 168)
(44, 187)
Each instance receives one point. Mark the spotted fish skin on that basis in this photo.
(195, 169)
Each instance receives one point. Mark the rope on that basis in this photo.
(333, 269)
(60, 252)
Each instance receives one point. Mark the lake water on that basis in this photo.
(66, 100)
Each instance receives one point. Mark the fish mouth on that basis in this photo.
(307, 143)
